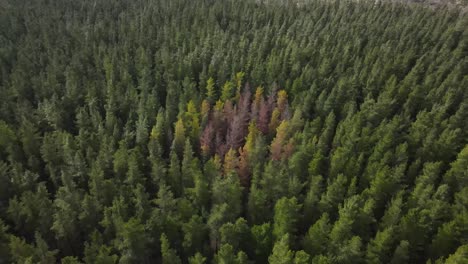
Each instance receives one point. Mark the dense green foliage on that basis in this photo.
(232, 132)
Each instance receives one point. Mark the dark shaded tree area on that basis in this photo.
(232, 132)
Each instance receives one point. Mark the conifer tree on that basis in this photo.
(168, 254)
(179, 138)
(281, 253)
(286, 217)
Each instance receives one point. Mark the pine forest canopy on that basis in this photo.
(233, 132)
